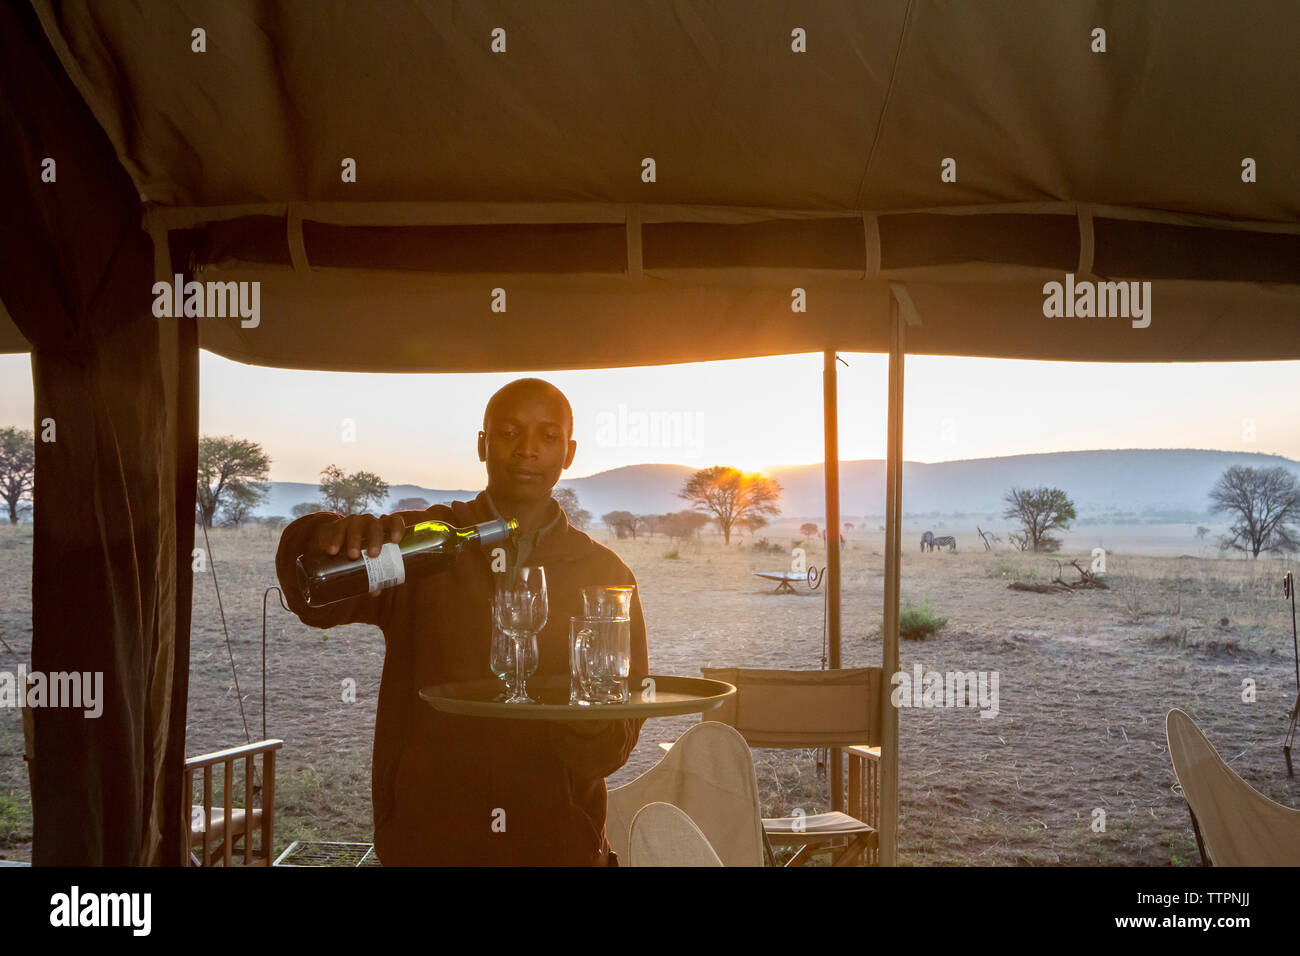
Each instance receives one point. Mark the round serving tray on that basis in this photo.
(671, 696)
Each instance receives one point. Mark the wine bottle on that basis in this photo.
(425, 548)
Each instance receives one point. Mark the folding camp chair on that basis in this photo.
(662, 835)
(825, 708)
(1235, 824)
(217, 834)
(708, 775)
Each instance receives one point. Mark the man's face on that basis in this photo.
(526, 444)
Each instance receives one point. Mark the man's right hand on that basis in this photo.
(349, 535)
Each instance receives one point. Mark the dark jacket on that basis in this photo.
(440, 780)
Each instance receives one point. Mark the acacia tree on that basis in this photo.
(1039, 511)
(1261, 501)
(681, 525)
(17, 469)
(229, 466)
(622, 523)
(304, 508)
(237, 507)
(732, 497)
(351, 494)
(808, 529)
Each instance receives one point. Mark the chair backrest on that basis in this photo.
(662, 835)
(788, 708)
(226, 812)
(1239, 825)
(709, 775)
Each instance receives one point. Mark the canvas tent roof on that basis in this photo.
(522, 170)
(774, 169)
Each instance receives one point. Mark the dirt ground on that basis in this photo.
(1085, 680)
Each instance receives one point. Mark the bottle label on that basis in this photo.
(386, 571)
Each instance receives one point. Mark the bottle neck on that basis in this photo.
(489, 533)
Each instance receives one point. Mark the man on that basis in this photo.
(480, 791)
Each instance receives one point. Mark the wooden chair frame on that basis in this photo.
(849, 837)
(864, 792)
(231, 833)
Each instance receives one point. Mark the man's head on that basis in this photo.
(526, 439)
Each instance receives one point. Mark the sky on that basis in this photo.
(751, 413)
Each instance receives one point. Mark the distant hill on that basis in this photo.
(1173, 484)
(285, 494)
(1130, 485)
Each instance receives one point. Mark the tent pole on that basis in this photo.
(893, 563)
(831, 469)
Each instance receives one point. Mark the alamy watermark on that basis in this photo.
(79, 690)
(632, 428)
(77, 909)
(209, 300)
(923, 688)
(1086, 299)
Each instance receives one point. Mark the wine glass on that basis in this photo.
(519, 609)
(502, 660)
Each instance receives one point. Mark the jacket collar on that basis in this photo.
(559, 540)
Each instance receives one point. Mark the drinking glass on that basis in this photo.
(503, 659)
(519, 609)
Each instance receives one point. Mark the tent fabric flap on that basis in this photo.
(657, 155)
(107, 380)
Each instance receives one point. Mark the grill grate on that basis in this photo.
(305, 853)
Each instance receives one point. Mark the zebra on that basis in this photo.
(927, 539)
(950, 542)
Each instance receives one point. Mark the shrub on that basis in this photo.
(11, 826)
(1011, 571)
(762, 545)
(672, 555)
(916, 622)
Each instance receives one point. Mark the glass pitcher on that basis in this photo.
(601, 649)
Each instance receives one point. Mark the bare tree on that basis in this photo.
(731, 496)
(1039, 511)
(1261, 502)
(17, 470)
(567, 499)
(274, 523)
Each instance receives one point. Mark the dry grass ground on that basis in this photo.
(1085, 680)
